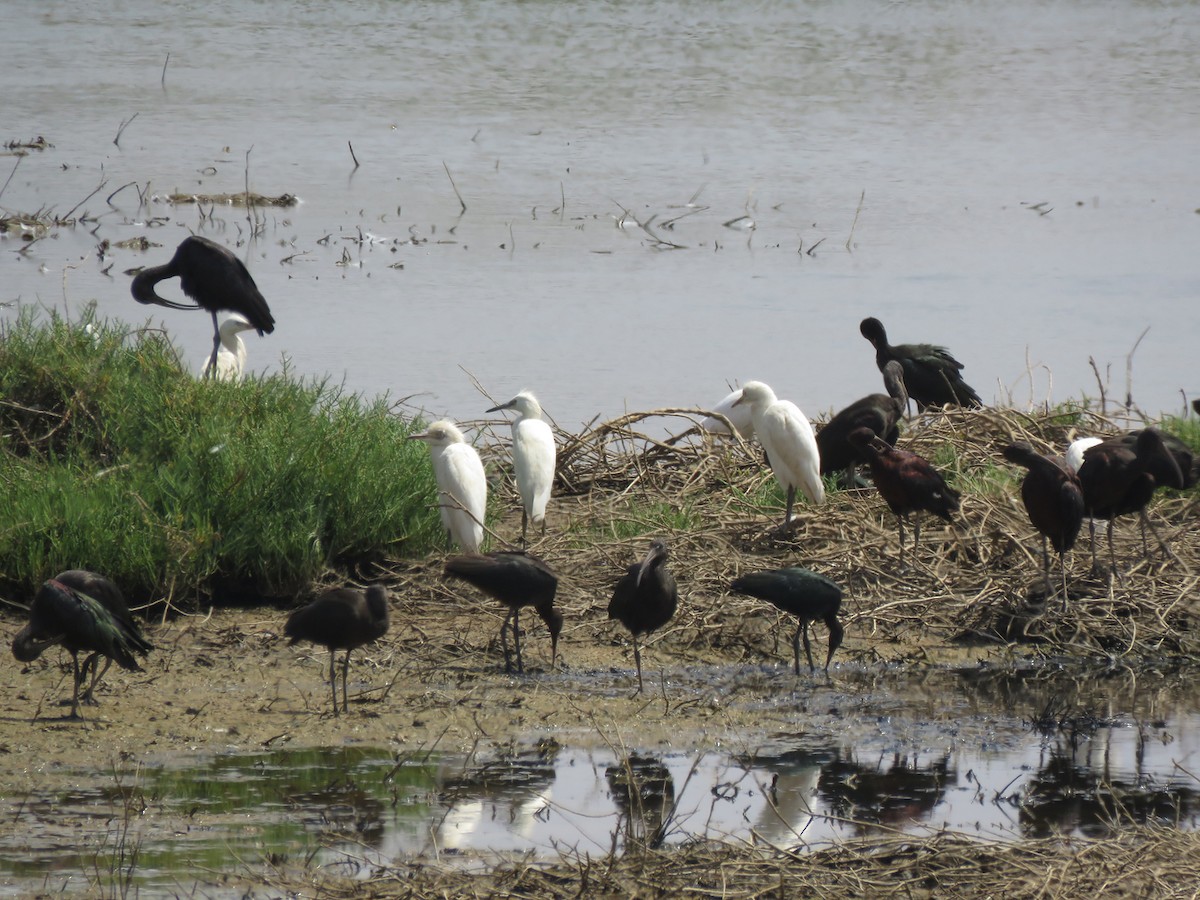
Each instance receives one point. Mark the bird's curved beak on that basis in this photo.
(644, 565)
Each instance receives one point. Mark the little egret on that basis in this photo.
(906, 481)
(879, 412)
(1053, 499)
(533, 458)
(341, 619)
(64, 612)
(931, 374)
(214, 279)
(462, 484)
(516, 580)
(645, 598)
(740, 416)
(231, 355)
(805, 595)
(788, 439)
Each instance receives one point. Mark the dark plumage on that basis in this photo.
(341, 619)
(212, 277)
(906, 481)
(807, 596)
(879, 412)
(1187, 461)
(1118, 479)
(1053, 499)
(82, 611)
(516, 580)
(645, 598)
(931, 375)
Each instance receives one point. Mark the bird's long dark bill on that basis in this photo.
(508, 405)
(644, 565)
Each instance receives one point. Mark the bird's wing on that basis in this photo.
(216, 279)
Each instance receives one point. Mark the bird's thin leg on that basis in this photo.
(1062, 564)
(796, 650)
(524, 525)
(637, 658)
(75, 713)
(1112, 555)
(93, 661)
(333, 679)
(807, 648)
(1168, 553)
(504, 640)
(212, 361)
(1092, 532)
(916, 533)
(516, 630)
(345, 678)
(791, 500)
(1046, 568)
(900, 521)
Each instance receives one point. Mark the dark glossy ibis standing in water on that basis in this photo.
(906, 481)
(645, 598)
(1053, 499)
(82, 611)
(1118, 479)
(805, 595)
(215, 279)
(516, 580)
(341, 619)
(879, 412)
(931, 375)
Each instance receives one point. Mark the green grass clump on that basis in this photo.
(118, 460)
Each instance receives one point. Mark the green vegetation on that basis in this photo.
(117, 459)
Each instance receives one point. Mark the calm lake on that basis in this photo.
(1017, 181)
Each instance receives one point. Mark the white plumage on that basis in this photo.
(788, 438)
(462, 484)
(533, 458)
(1078, 447)
(739, 414)
(231, 355)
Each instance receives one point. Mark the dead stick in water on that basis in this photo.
(352, 156)
(455, 186)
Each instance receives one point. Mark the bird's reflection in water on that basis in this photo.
(644, 793)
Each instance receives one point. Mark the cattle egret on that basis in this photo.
(740, 416)
(533, 458)
(931, 374)
(645, 598)
(1078, 447)
(341, 619)
(462, 484)
(807, 596)
(231, 355)
(214, 279)
(788, 439)
(516, 580)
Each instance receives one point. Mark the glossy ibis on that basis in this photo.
(879, 412)
(645, 598)
(516, 580)
(1053, 499)
(931, 375)
(215, 279)
(533, 458)
(789, 442)
(1118, 479)
(462, 484)
(805, 595)
(906, 481)
(82, 611)
(231, 357)
(341, 619)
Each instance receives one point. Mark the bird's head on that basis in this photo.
(865, 441)
(755, 393)
(524, 403)
(1019, 452)
(440, 434)
(655, 556)
(234, 324)
(872, 329)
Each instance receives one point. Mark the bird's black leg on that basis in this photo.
(516, 630)
(1112, 555)
(900, 520)
(333, 678)
(637, 658)
(1046, 568)
(504, 640)
(93, 662)
(1062, 564)
(791, 500)
(345, 678)
(524, 524)
(212, 363)
(78, 677)
(807, 648)
(796, 650)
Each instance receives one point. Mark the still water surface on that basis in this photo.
(1028, 174)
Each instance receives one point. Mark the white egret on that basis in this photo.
(533, 458)
(231, 355)
(788, 439)
(741, 417)
(462, 484)
(1078, 447)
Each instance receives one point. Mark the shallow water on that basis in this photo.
(1028, 171)
(991, 752)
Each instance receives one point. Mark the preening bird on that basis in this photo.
(516, 580)
(740, 416)
(805, 595)
(462, 484)
(1118, 479)
(906, 481)
(533, 458)
(788, 439)
(341, 619)
(214, 279)
(1053, 499)
(82, 611)
(645, 598)
(931, 375)
(879, 412)
(231, 355)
